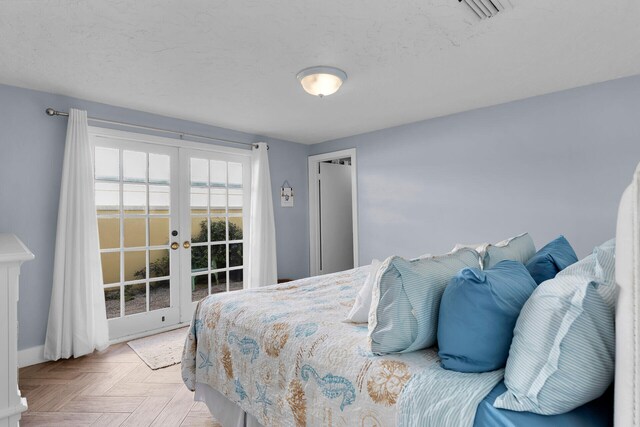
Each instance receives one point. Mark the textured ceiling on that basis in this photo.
(232, 63)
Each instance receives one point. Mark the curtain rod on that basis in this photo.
(51, 112)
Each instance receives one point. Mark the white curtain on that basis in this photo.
(77, 317)
(262, 229)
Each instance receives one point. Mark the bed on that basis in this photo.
(282, 355)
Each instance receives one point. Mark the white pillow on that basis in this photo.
(360, 311)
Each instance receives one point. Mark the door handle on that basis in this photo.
(186, 244)
(175, 246)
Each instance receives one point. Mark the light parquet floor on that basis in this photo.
(109, 388)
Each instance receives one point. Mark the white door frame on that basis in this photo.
(185, 310)
(314, 229)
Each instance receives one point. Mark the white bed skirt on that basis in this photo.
(223, 410)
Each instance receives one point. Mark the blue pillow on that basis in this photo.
(551, 259)
(478, 312)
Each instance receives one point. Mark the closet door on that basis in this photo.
(336, 219)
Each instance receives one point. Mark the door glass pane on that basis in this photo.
(159, 263)
(235, 254)
(235, 175)
(236, 280)
(159, 200)
(109, 231)
(199, 287)
(218, 282)
(159, 169)
(199, 259)
(135, 298)
(235, 228)
(235, 187)
(199, 200)
(110, 267)
(134, 197)
(199, 172)
(107, 198)
(135, 232)
(159, 295)
(218, 173)
(112, 302)
(135, 265)
(218, 229)
(199, 229)
(134, 166)
(218, 256)
(107, 165)
(158, 231)
(235, 200)
(218, 201)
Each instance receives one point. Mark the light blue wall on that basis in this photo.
(548, 165)
(31, 151)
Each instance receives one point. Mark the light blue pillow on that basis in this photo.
(406, 298)
(563, 350)
(478, 312)
(554, 257)
(600, 266)
(519, 248)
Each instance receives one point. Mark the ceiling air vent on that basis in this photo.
(487, 8)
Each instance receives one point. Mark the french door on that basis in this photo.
(215, 219)
(172, 224)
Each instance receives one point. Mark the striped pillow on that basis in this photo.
(572, 330)
(519, 248)
(406, 300)
(600, 266)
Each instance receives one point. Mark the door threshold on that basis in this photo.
(148, 333)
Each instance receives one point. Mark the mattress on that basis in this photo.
(598, 413)
(284, 355)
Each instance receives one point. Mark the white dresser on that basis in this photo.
(12, 254)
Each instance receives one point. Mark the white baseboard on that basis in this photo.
(148, 333)
(35, 355)
(31, 356)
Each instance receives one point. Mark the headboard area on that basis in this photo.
(627, 397)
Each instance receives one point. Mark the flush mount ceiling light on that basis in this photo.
(321, 81)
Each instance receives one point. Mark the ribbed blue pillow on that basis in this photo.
(563, 350)
(478, 312)
(406, 298)
(554, 257)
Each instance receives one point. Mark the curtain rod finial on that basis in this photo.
(50, 112)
